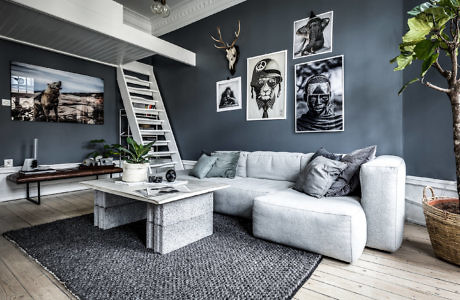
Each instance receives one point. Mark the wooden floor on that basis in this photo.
(412, 272)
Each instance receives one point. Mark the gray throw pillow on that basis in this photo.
(225, 165)
(203, 166)
(298, 186)
(348, 180)
(320, 174)
(323, 152)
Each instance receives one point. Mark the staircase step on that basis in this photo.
(162, 153)
(149, 121)
(147, 111)
(159, 143)
(142, 91)
(141, 100)
(151, 132)
(136, 80)
(163, 165)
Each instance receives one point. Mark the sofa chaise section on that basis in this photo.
(335, 227)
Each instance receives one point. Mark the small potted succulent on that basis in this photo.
(135, 161)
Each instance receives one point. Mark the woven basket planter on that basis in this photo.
(443, 227)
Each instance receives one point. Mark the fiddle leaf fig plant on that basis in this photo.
(135, 153)
(434, 31)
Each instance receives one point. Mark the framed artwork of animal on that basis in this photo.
(49, 95)
(266, 87)
(319, 92)
(313, 35)
(228, 94)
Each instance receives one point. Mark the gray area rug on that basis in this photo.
(114, 264)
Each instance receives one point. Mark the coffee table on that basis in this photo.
(174, 220)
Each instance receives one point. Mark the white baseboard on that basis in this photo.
(414, 194)
(12, 191)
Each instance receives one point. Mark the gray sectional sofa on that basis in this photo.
(338, 227)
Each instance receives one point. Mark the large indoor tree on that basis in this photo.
(433, 32)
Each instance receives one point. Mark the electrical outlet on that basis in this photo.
(8, 163)
(6, 102)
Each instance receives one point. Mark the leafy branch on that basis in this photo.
(426, 39)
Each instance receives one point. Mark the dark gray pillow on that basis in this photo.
(225, 165)
(203, 166)
(323, 152)
(348, 180)
(320, 174)
(298, 186)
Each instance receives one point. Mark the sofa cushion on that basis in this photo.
(348, 180)
(203, 165)
(318, 176)
(274, 165)
(324, 153)
(225, 165)
(334, 227)
(241, 168)
(238, 199)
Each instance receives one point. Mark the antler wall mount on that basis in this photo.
(232, 50)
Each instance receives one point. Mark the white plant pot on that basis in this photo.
(134, 172)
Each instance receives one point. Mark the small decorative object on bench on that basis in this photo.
(170, 175)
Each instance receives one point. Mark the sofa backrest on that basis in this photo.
(273, 165)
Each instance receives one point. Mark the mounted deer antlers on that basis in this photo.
(231, 49)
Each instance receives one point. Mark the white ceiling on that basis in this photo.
(183, 13)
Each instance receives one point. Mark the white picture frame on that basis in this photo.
(276, 64)
(299, 40)
(336, 75)
(233, 101)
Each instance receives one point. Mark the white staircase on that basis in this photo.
(147, 116)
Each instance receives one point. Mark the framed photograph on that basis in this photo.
(266, 87)
(319, 86)
(48, 95)
(313, 35)
(228, 94)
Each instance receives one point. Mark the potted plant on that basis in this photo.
(135, 161)
(434, 29)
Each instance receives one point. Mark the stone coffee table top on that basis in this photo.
(195, 187)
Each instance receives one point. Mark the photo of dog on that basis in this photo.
(48, 95)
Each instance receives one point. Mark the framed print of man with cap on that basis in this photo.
(266, 87)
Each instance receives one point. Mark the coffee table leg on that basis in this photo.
(150, 224)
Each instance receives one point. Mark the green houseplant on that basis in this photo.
(135, 160)
(434, 29)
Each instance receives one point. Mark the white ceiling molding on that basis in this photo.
(187, 12)
(136, 20)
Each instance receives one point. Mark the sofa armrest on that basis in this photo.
(383, 200)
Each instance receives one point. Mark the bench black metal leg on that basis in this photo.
(38, 194)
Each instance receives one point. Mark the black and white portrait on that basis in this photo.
(266, 87)
(313, 35)
(320, 95)
(228, 94)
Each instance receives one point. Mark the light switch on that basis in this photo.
(6, 102)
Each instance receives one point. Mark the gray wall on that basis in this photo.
(366, 32)
(427, 123)
(58, 142)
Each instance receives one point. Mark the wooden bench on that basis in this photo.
(20, 178)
